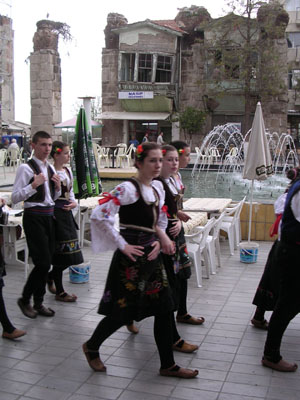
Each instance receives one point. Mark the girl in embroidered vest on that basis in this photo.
(183, 316)
(178, 263)
(137, 286)
(67, 251)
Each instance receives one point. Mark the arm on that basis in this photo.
(167, 246)
(22, 189)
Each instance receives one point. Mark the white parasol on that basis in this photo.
(258, 162)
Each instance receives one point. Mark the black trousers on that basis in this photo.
(39, 231)
(4, 320)
(288, 304)
(162, 333)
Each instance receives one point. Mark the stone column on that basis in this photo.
(45, 80)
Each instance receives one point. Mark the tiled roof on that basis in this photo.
(169, 23)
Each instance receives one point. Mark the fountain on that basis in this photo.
(231, 149)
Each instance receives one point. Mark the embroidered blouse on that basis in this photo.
(105, 235)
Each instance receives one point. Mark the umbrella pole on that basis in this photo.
(250, 211)
(79, 223)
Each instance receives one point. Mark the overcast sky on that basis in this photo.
(81, 58)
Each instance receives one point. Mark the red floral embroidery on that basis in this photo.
(107, 197)
(164, 209)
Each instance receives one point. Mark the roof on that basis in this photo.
(168, 23)
(165, 25)
(71, 123)
(142, 116)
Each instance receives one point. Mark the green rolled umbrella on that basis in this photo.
(86, 182)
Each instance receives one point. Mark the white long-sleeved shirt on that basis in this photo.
(22, 189)
(104, 234)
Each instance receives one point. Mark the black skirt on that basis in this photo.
(67, 251)
(136, 290)
(268, 288)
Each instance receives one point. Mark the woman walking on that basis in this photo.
(67, 251)
(137, 286)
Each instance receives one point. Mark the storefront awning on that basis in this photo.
(133, 116)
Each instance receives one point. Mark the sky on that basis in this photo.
(81, 58)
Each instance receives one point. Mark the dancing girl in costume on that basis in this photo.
(184, 273)
(67, 251)
(137, 286)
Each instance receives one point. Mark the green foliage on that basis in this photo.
(191, 120)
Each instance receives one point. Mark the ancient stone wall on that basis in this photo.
(7, 69)
(45, 81)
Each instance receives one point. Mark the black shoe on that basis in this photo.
(27, 309)
(44, 311)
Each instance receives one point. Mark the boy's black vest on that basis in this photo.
(39, 196)
(139, 214)
(290, 227)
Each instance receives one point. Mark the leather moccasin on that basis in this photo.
(178, 372)
(188, 319)
(282, 365)
(96, 364)
(27, 309)
(17, 333)
(132, 328)
(185, 347)
(44, 311)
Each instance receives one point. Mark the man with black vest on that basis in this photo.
(38, 185)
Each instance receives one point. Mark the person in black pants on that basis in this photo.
(9, 331)
(137, 286)
(38, 185)
(288, 303)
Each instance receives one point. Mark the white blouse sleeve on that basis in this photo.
(103, 232)
(162, 221)
(72, 196)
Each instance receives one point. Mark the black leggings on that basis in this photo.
(56, 274)
(288, 303)
(182, 295)
(162, 333)
(4, 320)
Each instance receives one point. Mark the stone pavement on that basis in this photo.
(48, 362)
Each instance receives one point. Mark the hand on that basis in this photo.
(167, 246)
(176, 228)
(131, 250)
(2, 202)
(70, 206)
(38, 180)
(155, 252)
(56, 179)
(183, 216)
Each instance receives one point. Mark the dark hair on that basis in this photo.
(179, 145)
(143, 149)
(293, 173)
(167, 147)
(40, 135)
(57, 147)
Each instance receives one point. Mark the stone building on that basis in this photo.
(45, 78)
(151, 70)
(7, 69)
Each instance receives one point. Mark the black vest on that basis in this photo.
(39, 196)
(290, 227)
(171, 200)
(139, 214)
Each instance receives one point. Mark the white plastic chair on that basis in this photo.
(214, 154)
(14, 157)
(119, 153)
(3, 154)
(231, 224)
(213, 244)
(128, 155)
(197, 248)
(103, 154)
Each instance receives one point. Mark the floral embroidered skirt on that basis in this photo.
(136, 290)
(67, 251)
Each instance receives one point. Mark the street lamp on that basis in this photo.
(1, 83)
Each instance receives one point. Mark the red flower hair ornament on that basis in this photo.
(164, 152)
(181, 151)
(139, 151)
(57, 150)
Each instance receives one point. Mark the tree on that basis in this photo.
(243, 54)
(191, 121)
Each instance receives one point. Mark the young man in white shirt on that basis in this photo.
(38, 185)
